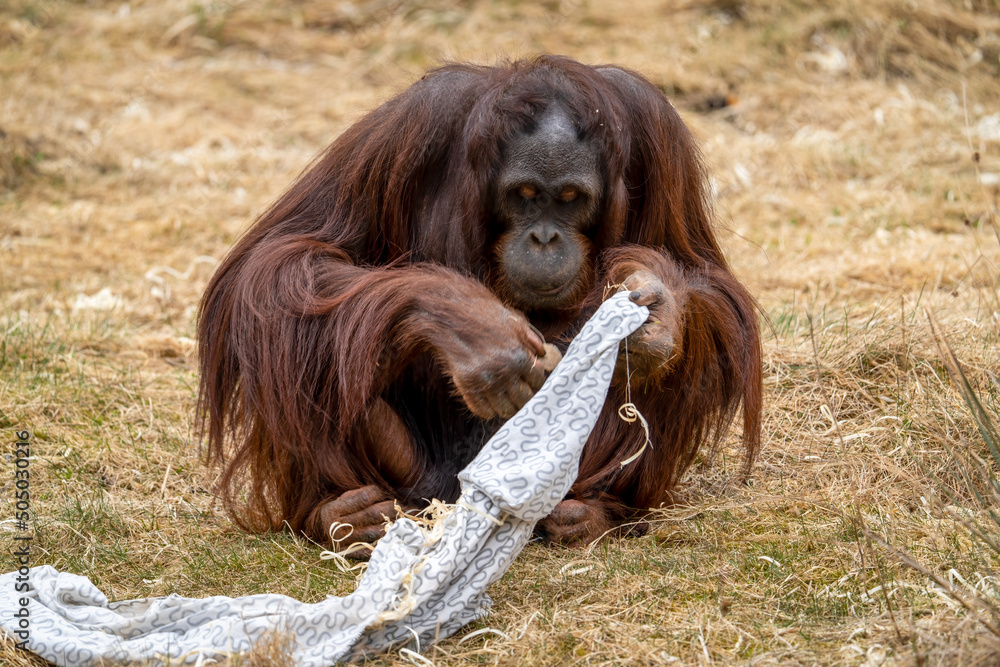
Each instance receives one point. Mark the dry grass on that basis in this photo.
(138, 139)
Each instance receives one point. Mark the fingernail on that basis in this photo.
(635, 296)
(541, 338)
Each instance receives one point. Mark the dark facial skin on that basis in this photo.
(548, 192)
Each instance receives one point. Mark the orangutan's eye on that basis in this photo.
(568, 194)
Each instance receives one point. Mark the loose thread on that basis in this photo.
(629, 413)
(339, 557)
(493, 519)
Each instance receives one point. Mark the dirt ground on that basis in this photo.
(855, 159)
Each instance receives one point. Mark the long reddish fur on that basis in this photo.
(384, 242)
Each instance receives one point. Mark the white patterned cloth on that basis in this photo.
(415, 584)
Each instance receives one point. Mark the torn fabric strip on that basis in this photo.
(414, 585)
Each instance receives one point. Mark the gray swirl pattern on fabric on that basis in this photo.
(517, 479)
